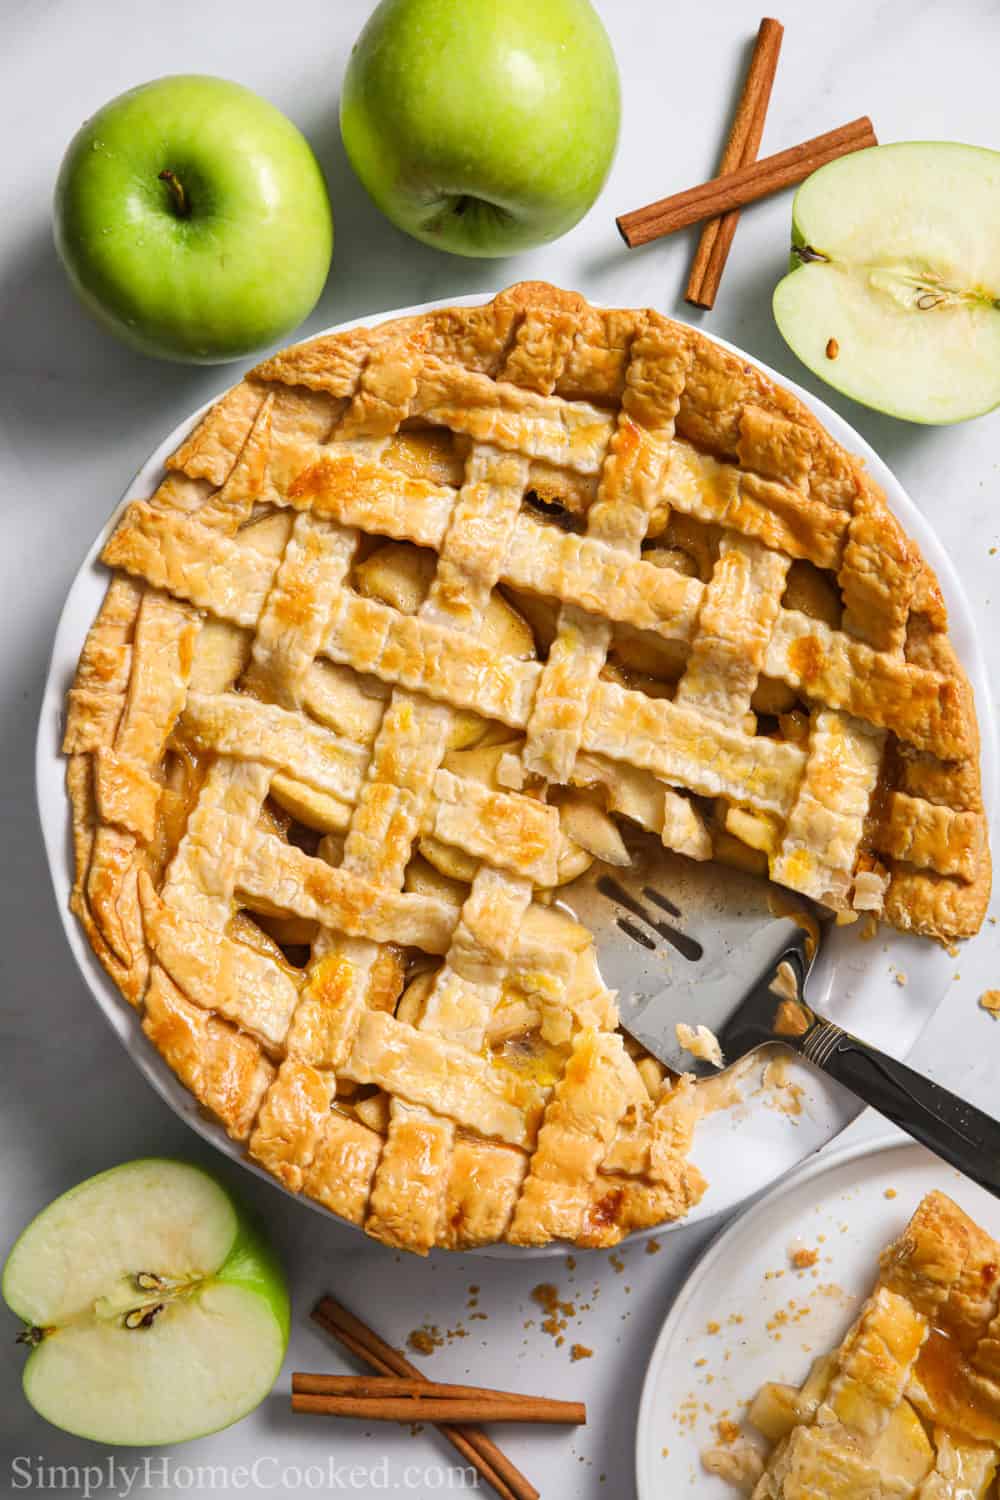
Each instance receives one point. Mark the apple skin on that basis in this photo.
(246, 265)
(480, 128)
(253, 1264)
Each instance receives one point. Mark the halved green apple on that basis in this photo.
(154, 1311)
(894, 293)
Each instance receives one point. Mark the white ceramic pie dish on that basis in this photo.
(837, 1205)
(853, 980)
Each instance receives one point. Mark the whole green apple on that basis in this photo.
(153, 1309)
(478, 127)
(193, 219)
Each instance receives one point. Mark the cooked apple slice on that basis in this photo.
(154, 1311)
(893, 295)
(903, 1454)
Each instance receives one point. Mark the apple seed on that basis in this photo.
(143, 1317)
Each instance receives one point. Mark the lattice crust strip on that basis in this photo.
(259, 744)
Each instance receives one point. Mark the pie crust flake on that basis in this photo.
(419, 621)
(909, 1404)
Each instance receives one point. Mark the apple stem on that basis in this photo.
(179, 197)
(806, 253)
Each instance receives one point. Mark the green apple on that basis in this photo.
(482, 128)
(193, 219)
(154, 1310)
(894, 292)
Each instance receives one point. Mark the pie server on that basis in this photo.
(728, 951)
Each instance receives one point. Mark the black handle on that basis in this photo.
(950, 1127)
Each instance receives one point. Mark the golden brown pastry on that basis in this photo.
(419, 620)
(909, 1405)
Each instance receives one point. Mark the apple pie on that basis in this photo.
(419, 620)
(909, 1405)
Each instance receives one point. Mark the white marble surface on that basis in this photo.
(78, 414)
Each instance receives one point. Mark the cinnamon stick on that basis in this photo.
(442, 1409)
(475, 1447)
(741, 149)
(736, 189)
(305, 1384)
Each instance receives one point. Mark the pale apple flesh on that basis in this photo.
(153, 1311)
(893, 295)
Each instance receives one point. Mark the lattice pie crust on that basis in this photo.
(909, 1405)
(417, 619)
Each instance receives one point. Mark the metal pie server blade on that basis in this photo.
(683, 942)
(701, 944)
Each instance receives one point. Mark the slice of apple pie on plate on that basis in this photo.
(909, 1404)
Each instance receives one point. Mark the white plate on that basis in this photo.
(853, 980)
(837, 1205)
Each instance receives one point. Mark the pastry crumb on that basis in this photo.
(700, 1042)
(713, 1327)
(900, 978)
(653, 1247)
(803, 1258)
(557, 1310)
(580, 1351)
(740, 1465)
(426, 1339)
(989, 1001)
(889, 1193)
